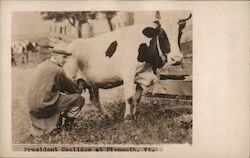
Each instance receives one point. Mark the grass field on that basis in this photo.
(155, 124)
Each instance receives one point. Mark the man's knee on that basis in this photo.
(79, 100)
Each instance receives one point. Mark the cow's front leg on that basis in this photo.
(94, 98)
(137, 98)
(129, 91)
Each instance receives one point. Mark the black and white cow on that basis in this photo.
(29, 47)
(128, 56)
(24, 48)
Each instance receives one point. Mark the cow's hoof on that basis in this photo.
(108, 117)
(128, 118)
(136, 115)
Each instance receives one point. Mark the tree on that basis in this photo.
(109, 15)
(75, 18)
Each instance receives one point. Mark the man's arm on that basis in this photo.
(65, 84)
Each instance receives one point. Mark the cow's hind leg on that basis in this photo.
(27, 57)
(22, 58)
(94, 98)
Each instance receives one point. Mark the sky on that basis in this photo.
(28, 24)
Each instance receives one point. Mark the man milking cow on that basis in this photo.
(54, 99)
(116, 61)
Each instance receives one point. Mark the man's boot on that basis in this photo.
(68, 123)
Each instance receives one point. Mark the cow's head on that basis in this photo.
(164, 46)
(169, 39)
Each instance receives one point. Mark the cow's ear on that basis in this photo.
(150, 32)
(182, 25)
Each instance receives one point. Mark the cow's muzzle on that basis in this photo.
(177, 60)
(177, 63)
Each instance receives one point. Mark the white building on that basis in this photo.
(66, 32)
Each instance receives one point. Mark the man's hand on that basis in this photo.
(82, 85)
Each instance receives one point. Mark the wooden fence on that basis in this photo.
(174, 89)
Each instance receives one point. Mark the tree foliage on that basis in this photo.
(77, 18)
